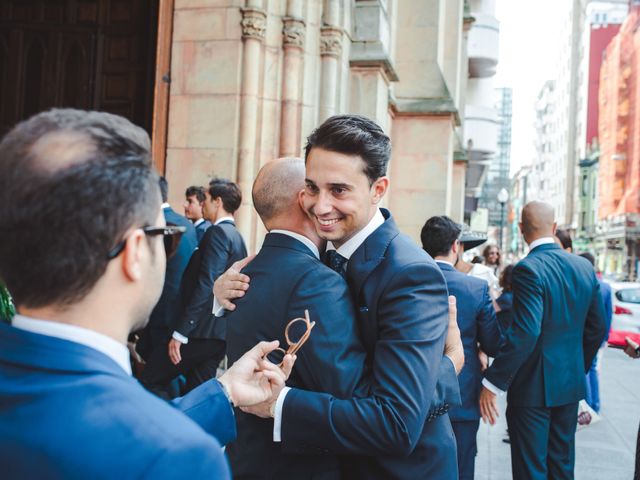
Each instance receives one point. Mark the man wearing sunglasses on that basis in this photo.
(84, 274)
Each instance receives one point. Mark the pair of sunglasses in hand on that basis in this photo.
(296, 334)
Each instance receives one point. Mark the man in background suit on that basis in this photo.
(288, 278)
(558, 325)
(478, 327)
(402, 315)
(194, 200)
(158, 331)
(198, 342)
(69, 407)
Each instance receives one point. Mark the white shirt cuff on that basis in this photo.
(492, 388)
(179, 337)
(217, 309)
(277, 416)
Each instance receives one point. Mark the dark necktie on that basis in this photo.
(335, 261)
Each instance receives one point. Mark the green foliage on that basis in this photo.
(7, 310)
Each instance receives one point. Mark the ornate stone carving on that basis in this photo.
(330, 41)
(293, 31)
(254, 23)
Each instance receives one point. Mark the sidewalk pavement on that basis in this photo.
(605, 450)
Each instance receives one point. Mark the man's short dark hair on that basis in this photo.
(354, 135)
(66, 183)
(565, 238)
(438, 235)
(164, 189)
(506, 278)
(195, 191)
(590, 257)
(228, 191)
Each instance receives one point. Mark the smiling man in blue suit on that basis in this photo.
(478, 327)
(558, 326)
(85, 266)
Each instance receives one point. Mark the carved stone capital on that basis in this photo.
(254, 23)
(293, 32)
(330, 41)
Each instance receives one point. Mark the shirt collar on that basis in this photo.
(198, 222)
(223, 219)
(541, 241)
(351, 245)
(165, 205)
(308, 243)
(445, 262)
(118, 352)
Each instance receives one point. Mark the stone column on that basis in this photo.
(253, 33)
(293, 35)
(330, 51)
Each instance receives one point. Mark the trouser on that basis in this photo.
(466, 432)
(200, 360)
(542, 441)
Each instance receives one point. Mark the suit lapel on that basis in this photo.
(369, 255)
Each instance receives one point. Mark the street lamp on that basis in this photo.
(503, 197)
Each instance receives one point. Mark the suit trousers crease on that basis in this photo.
(542, 441)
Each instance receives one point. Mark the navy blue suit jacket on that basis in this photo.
(221, 246)
(287, 278)
(558, 326)
(201, 228)
(68, 411)
(402, 317)
(478, 324)
(605, 291)
(167, 310)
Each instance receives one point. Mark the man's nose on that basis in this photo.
(324, 204)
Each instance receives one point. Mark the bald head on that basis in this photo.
(276, 188)
(538, 221)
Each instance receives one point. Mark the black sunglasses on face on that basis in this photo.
(171, 233)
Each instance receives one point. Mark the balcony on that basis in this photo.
(483, 46)
(481, 127)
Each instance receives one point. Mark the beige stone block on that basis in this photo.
(178, 121)
(213, 121)
(211, 67)
(411, 134)
(269, 137)
(177, 68)
(234, 27)
(185, 4)
(200, 24)
(419, 170)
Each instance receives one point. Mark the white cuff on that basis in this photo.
(217, 309)
(277, 416)
(181, 338)
(492, 388)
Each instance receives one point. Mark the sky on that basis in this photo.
(529, 36)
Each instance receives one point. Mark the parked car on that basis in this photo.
(626, 306)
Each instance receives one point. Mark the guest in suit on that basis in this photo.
(505, 300)
(158, 331)
(69, 407)
(402, 315)
(558, 321)
(194, 200)
(478, 327)
(288, 278)
(593, 381)
(198, 342)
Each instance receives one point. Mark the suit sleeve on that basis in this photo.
(488, 330)
(412, 323)
(333, 359)
(208, 406)
(214, 258)
(595, 328)
(523, 335)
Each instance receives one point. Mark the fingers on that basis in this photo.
(488, 408)
(174, 352)
(453, 309)
(240, 264)
(264, 348)
(287, 365)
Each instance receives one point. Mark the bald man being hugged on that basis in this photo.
(558, 325)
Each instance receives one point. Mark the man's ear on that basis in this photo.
(455, 248)
(379, 189)
(132, 255)
(554, 228)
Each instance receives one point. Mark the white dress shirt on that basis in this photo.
(177, 335)
(113, 349)
(536, 243)
(346, 250)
